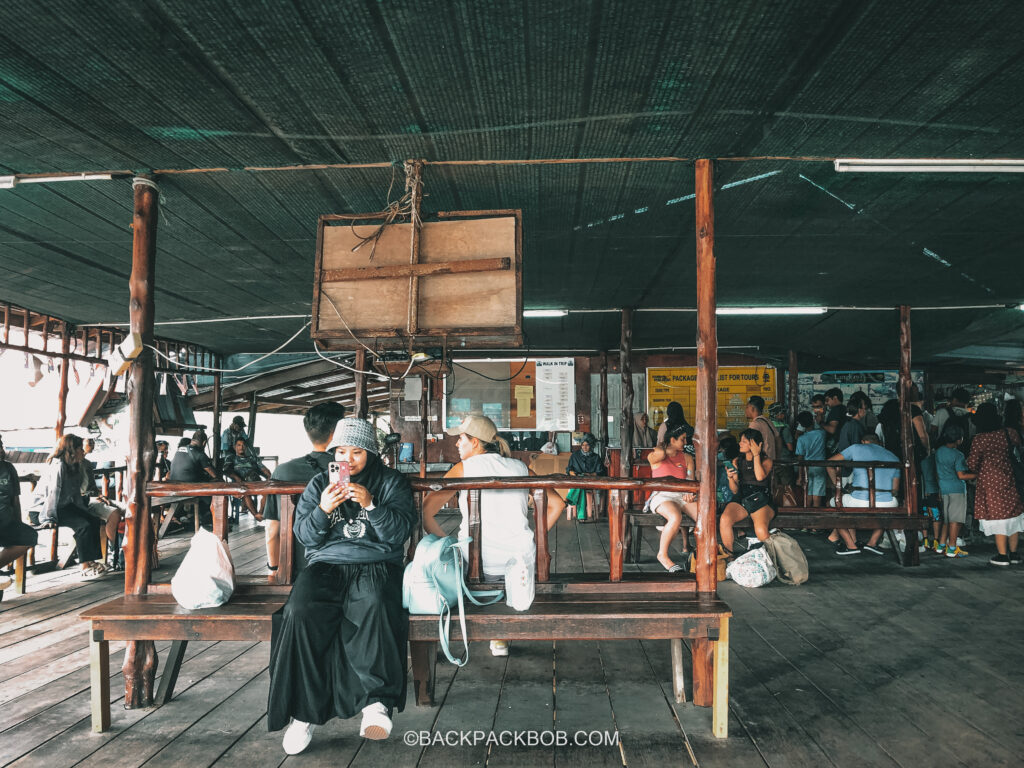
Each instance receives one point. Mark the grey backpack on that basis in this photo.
(789, 559)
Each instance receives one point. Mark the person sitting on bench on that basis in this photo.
(109, 511)
(750, 479)
(243, 466)
(191, 465)
(60, 503)
(887, 484)
(339, 645)
(585, 462)
(162, 465)
(16, 538)
(669, 460)
(319, 423)
(504, 520)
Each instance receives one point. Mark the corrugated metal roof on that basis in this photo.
(178, 84)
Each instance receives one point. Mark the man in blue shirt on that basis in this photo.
(887, 484)
(810, 446)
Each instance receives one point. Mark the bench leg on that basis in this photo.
(910, 555)
(20, 568)
(678, 676)
(720, 708)
(99, 681)
(636, 542)
(424, 661)
(171, 668)
(139, 671)
(702, 650)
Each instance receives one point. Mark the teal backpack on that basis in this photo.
(433, 582)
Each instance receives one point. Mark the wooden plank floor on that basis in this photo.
(868, 664)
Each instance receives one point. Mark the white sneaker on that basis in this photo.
(376, 723)
(297, 737)
(499, 648)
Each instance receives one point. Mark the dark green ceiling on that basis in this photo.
(138, 86)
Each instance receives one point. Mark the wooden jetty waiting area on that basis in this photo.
(725, 235)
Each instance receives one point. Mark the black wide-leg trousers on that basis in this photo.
(339, 644)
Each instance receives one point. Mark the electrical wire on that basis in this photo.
(185, 367)
(491, 378)
(381, 376)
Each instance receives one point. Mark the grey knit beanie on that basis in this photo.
(356, 433)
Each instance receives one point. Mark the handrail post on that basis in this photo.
(540, 517)
(286, 549)
(475, 565)
(615, 553)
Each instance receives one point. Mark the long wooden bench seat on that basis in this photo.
(567, 607)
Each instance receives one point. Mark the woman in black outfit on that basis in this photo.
(750, 480)
(339, 646)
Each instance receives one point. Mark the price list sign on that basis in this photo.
(556, 395)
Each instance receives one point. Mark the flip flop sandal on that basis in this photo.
(675, 568)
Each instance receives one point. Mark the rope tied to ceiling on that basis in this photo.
(408, 205)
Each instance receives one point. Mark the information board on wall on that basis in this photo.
(556, 395)
(736, 384)
(531, 395)
(879, 386)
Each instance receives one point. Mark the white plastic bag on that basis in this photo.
(520, 583)
(752, 569)
(206, 577)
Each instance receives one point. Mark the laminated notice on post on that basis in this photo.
(556, 395)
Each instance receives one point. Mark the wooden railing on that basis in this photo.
(618, 488)
(801, 466)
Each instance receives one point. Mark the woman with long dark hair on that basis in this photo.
(997, 504)
(60, 503)
(750, 479)
(668, 459)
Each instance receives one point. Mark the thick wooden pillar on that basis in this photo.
(362, 401)
(626, 371)
(910, 555)
(216, 422)
(602, 412)
(794, 389)
(62, 396)
(140, 655)
(707, 382)
(253, 406)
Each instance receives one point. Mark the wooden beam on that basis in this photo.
(217, 405)
(362, 403)
(62, 393)
(603, 404)
(140, 656)
(266, 382)
(416, 270)
(626, 372)
(707, 384)
(414, 186)
(794, 388)
(910, 554)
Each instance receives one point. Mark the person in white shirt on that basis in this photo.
(504, 519)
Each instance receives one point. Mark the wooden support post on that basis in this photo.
(99, 681)
(475, 562)
(414, 186)
(910, 554)
(253, 407)
(794, 389)
(626, 371)
(603, 405)
(286, 551)
(707, 385)
(216, 422)
(616, 545)
(362, 402)
(62, 395)
(540, 519)
(7, 323)
(720, 705)
(678, 674)
(703, 653)
(424, 424)
(140, 655)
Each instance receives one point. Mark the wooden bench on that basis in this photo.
(567, 607)
(903, 518)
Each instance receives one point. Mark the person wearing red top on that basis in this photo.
(668, 460)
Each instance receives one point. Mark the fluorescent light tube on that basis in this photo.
(927, 165)
(545, 312)
(8, 182)
(772, 310)
(66, 177)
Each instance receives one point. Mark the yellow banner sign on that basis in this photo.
(735, 386)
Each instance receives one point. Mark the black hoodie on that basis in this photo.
(351, 534)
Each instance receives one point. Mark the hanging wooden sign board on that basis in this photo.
(458, 284)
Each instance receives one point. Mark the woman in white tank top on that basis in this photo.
(504, 517)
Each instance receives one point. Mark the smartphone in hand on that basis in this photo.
(339, 473)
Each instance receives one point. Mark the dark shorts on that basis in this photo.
(17, 534)
(755, 501)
